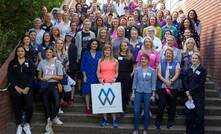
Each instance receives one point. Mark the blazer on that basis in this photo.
(145, 84)
(194, 81)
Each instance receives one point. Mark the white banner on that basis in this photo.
(106, 98)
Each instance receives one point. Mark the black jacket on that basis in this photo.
(21, 75)
(194, 82)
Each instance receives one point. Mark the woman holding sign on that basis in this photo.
(107, 72)
(144, 85)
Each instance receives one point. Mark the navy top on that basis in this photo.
(21, 75)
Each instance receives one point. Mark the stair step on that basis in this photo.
(80, 117)
(79, 108)
(210, 84)
(211, 93)
(86, 128)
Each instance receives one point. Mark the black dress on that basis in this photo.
(124, 76)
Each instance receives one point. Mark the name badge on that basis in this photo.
(170, 67)
(148, 74)
(120, 58)
(198, 72)
(26, 64)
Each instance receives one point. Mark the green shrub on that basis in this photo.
(17, 17)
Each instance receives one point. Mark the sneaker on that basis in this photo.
(49, 132)
(19, 129)
(57, 121)
(48, 127)
(135, 132)
(27, 128)
(170, 124)
(115, 123)
(104, 123)
(145, 132)
(60, 111)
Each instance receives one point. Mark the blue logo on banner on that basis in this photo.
(106, 97)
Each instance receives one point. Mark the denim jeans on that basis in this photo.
(51, 100)
(139, 98)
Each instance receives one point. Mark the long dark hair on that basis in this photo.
(16, 56)
(196, 16)
(22, 39)
(182, 28)
(90, 43)
(43, 41)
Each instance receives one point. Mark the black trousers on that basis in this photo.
(22, 103)
(169, 101)
(51, 100)
(195, 117)
(126, 86)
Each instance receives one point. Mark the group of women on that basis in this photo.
(153, 53)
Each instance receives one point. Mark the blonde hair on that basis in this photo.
(121, 28)
(197, 54)
(63, 50)
(195, 49)
(151, 42)
(87, 21)
(99, 34)
(107, 46)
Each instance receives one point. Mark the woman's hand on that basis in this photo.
(85, 79)
(26, 90)
(168, 83)
(189, 97)
(132, 97)
(18, 89)
(101, 81)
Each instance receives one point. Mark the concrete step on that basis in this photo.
(211, 93)
(208, 93)
(128, 118)
(92, 128)
(79, 108)
(210, 84)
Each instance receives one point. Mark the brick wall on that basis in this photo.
(5, 110)
(209, 15)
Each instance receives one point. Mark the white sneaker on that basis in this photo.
(60, 111)
(27, 128)
(49, 132)
(48, 127)
(57, 121)
(19, 129)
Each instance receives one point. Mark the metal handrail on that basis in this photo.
(5, 88)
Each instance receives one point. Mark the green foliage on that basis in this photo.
(16, 18)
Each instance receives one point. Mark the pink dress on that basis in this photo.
(107, 70)
(154, 58)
